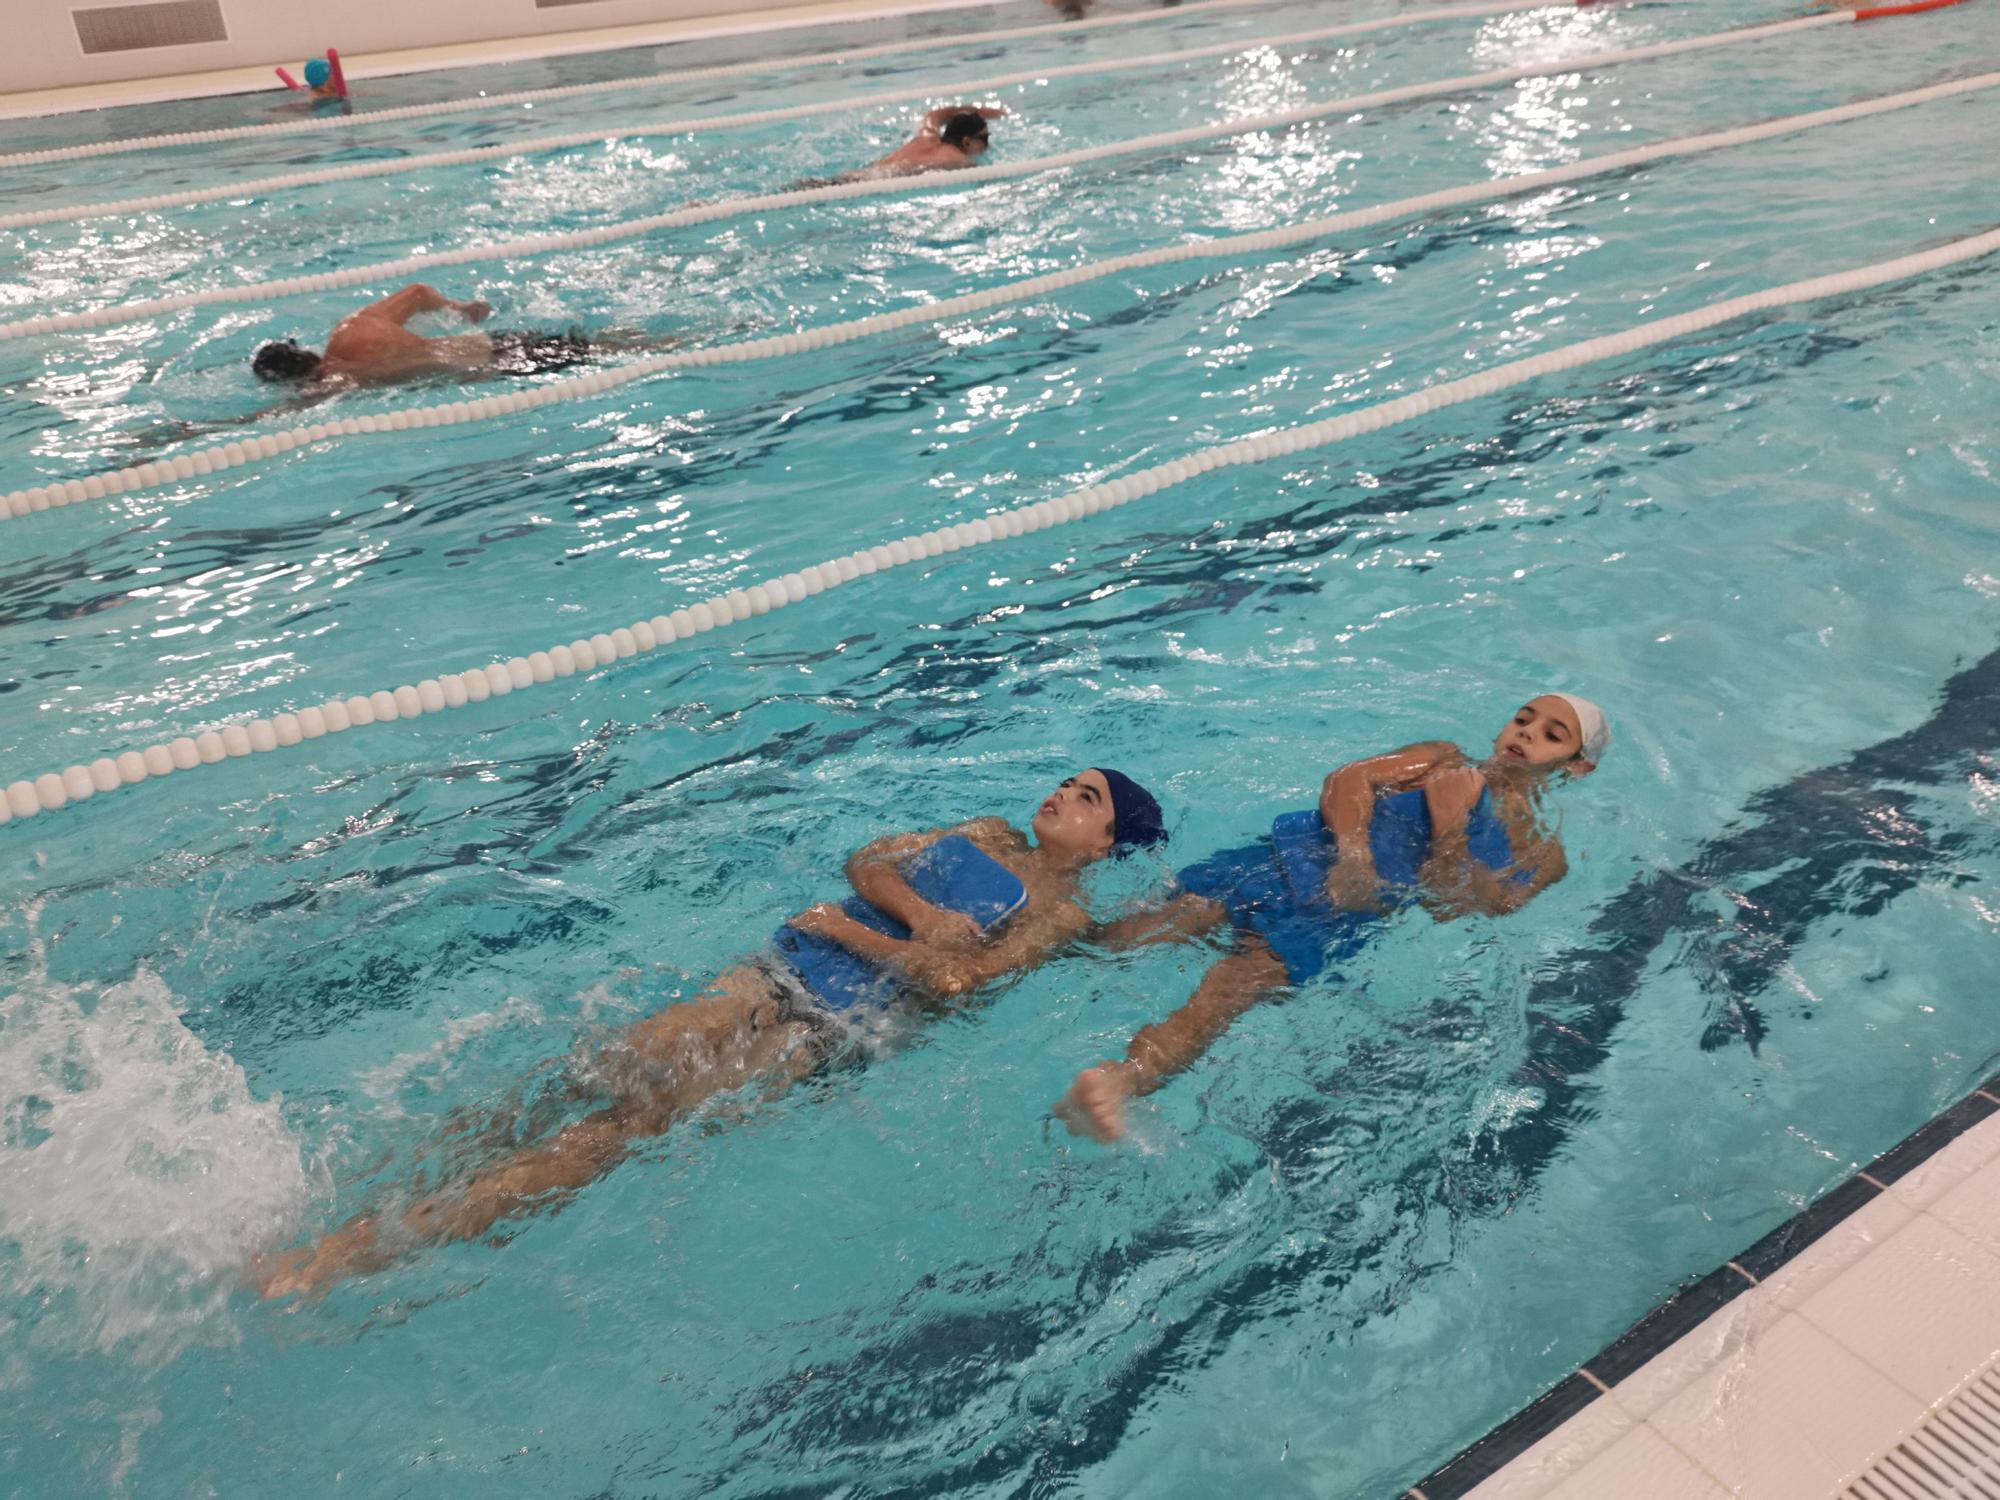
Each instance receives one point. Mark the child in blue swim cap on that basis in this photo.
(761, 1022)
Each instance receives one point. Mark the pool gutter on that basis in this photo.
(1794, 1367)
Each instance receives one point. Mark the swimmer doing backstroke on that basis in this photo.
(1426, 823)
(936, 917)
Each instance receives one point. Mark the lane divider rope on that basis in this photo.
(186, 466)
(967, 178)
(55, 789)
(614, 85)
(907, 94)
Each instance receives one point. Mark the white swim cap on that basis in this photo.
(1590, 718)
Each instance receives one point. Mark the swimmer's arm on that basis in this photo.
(418, 298)
(165, 432)
(1347, 806)
(873, 873)
(1457, 885)
(876, 878)
(935, 120)
(1159, 1051)
(949, 972)
(1347, 797)
(943, 972)
(1180, 920)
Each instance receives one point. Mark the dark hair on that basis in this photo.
(286, 361)
(966, 125)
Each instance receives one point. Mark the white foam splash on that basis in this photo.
(138, 1173)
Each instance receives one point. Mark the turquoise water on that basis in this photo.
(245, 1002)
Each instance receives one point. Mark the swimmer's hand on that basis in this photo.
(946, 975)
(1352, 884)
(825, 920)
(310, 1270)
(1094, 1107)
(945, 929)
(1450, 796)
(475, 312)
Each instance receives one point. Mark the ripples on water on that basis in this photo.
(240, 1004)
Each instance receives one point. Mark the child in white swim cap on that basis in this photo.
(1555, 728)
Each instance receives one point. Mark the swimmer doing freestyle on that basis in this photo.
(1424, 823)
(951, 138)
(776, 1018)
(374, 346)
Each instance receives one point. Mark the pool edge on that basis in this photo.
(1695, 1302)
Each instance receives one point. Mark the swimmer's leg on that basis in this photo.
(686, 1054)
(631, 341)
(1095, 1103)
(689, 1053)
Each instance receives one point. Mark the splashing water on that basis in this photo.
(137, 1171)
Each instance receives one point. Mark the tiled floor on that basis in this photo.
(1801, 1383)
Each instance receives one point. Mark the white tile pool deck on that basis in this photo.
(1801, 1385)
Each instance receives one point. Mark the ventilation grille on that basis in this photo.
(1953, 1455)
(167, 23)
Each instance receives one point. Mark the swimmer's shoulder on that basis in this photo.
(1048, 924)
(996, 836)
(1070, 921)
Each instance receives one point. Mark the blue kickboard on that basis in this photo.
(954, 874)
(1400, 836)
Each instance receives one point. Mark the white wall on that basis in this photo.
(42, 51)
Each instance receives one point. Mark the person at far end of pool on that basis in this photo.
(935, 917)
(1425, 824)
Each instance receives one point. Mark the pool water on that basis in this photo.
(246, 1002)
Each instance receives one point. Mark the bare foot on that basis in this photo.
(1095, 1103)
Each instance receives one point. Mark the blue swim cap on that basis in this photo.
(317, 72)
(1136, 821)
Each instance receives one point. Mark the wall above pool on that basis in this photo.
(54, 44)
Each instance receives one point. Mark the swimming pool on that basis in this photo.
(243, 1000)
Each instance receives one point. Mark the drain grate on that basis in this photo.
(1953, 1455)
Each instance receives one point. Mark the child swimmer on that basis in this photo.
(1275, 944)
(762, 1021)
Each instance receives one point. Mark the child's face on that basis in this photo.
(1544, 733)
(1078, 819)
